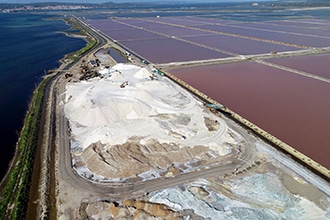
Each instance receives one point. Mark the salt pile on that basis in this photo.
(134, 118)
(100, 110)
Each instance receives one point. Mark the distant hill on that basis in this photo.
(149, 3)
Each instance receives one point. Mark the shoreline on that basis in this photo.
(19, 155)
(60, 62)
(18, 176)
(16, 154)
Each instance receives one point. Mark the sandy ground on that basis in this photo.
(131, 124)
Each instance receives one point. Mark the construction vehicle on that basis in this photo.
(160, 72)
(124, 84)
(215, 106)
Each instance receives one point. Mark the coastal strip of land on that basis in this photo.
(32, 148)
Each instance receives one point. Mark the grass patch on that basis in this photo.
(91, 41)
(84, 50)
(15, 193)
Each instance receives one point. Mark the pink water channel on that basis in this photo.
(294, 108)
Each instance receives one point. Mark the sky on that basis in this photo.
(116, 1)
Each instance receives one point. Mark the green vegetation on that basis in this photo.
(15, 193)
(92, 42)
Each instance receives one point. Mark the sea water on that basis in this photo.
(30, 44)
